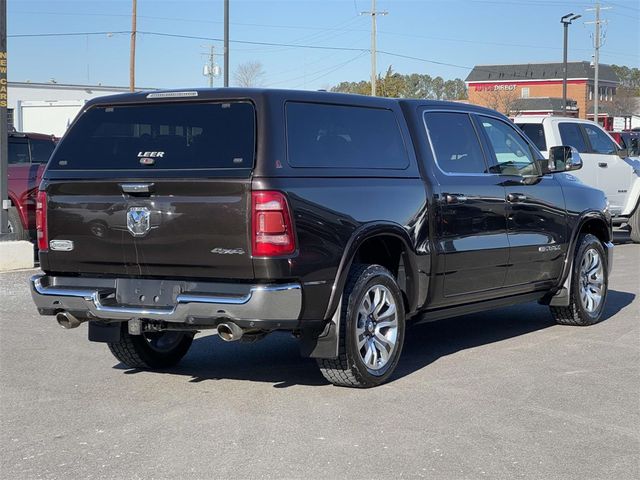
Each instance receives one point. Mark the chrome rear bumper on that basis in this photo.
(274, 304)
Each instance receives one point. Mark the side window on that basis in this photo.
(455, 142)
(512, 153)
(571, 135)
(41, 150)
(338, 136)
(535, 132)
(600, 142)
(18, 152)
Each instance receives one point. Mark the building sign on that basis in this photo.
(494, 87)
(3, 79)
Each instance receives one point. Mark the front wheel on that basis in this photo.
(589, 284)
(372, 325)
(151, 350)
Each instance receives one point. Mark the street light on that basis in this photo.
(566, 21)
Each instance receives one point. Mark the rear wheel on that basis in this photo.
(151, 350)
(589, 283)
(16, 229)
(634, 224)
(372, 327)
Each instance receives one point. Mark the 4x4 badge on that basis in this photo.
(138, 222)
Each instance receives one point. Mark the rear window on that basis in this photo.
(535, 132)
(335, 136)
(160, 136)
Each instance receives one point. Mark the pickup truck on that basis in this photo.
(338, 218)
(28, 155)
(606, 165)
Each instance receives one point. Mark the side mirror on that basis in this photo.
(623, 152)
(564, 159)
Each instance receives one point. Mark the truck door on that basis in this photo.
(536, 223)
(614, 175)
(471, 235)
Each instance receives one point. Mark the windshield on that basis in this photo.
(160, 136)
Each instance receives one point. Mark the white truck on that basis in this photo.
(605, 165)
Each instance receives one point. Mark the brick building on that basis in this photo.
(512, 89)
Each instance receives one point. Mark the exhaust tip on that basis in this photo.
(66, 320)
(229, 332)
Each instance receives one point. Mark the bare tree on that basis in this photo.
(504, 101)
(249, 74)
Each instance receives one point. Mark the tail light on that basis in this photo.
(41, 221)
(272, 230)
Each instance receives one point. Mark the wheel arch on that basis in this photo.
(593, 222)
(383, 243)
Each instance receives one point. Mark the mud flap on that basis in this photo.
(323, 344)
(104, 332)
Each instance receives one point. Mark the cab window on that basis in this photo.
(571, 135)
(18, 152)
(600, 142)
(513, 154)
(455, 143)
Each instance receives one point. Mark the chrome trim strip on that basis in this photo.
(263, 302)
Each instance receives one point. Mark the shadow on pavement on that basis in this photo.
(276, 359)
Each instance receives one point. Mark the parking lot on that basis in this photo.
(503, 394)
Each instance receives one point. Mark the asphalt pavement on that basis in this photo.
(502, 395)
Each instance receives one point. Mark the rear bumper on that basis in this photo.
(271, 306)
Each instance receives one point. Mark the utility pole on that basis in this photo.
(226, 43)
(566, 21)
(211, 70)
(374, 74)
(4, 193)
(132, 50)
(597, 43)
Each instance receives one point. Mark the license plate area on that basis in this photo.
(147, 293)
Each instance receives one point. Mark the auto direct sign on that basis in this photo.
(499, 87)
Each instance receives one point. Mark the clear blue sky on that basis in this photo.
(463, 33)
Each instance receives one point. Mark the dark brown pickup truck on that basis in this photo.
(339, 218)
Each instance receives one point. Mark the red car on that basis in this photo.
(28, 155)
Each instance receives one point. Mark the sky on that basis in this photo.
(323, 42)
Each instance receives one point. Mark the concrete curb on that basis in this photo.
(16, 255)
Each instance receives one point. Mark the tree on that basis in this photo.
(501, 100)
(249, 74)
(414, 85)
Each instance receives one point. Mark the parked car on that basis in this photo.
(338, 218)
(28, 155)
(606, 165)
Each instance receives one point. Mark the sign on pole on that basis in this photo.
(4, 194)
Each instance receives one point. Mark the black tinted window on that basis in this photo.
(333, 136)
(455, 142)
(600, 142)
(512, 153)
(162, 136)
(18, 152)
(535, 132)
(41, 150)
(571, 135)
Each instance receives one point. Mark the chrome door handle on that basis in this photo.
(603, 164)
(516, 197)
(453, 198)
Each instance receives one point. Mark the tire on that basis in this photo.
(16, 229)
(350, 369)
(634, 224)
(584, 306)
(151, 351)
